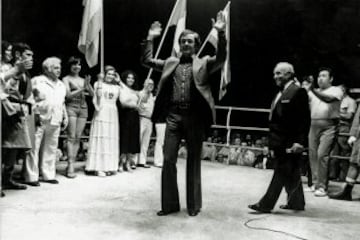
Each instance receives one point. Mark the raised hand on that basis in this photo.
(23, 65)
(155, 30)
(220, 23)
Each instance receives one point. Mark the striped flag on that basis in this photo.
(178, 19)
(89, 35)
(213, 39)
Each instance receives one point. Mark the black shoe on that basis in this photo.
(2, 194)
(257, 208)
(133, 166)
(344, 194)
(33, 184)
(193, 213)
(14, 186)
(164, 213)
(287, 207)
(51, 181)
(143, 165)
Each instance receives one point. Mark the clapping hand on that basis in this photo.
(296, 148)
(24, 64)
(155, 30)
(220, 23)
(351, 140)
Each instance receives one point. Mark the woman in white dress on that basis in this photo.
(103, 154)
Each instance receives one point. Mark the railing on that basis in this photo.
(228, 118)
(229, 128)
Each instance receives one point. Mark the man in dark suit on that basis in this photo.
(289, 127)
(185, 102)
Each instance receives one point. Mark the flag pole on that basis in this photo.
(203, 45)
(163, 38)
(102, 39)
(0, 110)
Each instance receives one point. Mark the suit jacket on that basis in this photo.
(202, 68)
(290, 119)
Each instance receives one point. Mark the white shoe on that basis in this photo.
(320, 192)
(100, 174)
(310, 189)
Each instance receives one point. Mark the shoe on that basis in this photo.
(100, 174)
(320, 192)
(14, 186)
(51, 181)
(344, 194)
(133, 166)
(70, 175)
(120, 169)
(110, 173)
(33, 184)
(310, 189)
(143, 165)
(193, 213)
(287, 207)
(164, 213)
(257, 208)
(2, 194)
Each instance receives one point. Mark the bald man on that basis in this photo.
(289, 123)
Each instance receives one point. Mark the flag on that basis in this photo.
(89, 35)
(178, 19)
(213, 39)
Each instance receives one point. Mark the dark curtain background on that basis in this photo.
(307, 33)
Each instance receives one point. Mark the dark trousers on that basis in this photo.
(182, 124)
(9, 161)
(286, 174)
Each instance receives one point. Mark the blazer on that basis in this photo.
(290, 119)
(202, 68)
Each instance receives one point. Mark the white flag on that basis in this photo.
(178, 18)
(89, 35)
(213, 39)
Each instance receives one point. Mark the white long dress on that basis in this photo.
(103, 154)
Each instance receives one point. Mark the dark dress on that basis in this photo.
(129, 130)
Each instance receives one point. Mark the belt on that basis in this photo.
(145, 117)
(181, 106)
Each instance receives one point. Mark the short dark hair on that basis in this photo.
(72, 61)
(196, 35)
(20, 47)
(329, 70)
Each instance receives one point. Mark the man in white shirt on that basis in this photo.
(325, 113)
(50, 106)
(338, 167)
(146, 108)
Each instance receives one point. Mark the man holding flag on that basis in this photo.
(185, 102)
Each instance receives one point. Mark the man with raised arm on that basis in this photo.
(185, 102)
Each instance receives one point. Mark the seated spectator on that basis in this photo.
(208, 150)
(246, 156)
(182, 153)
(234, 151)
(248, 140)
(338, 167)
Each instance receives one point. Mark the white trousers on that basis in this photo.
(146, 127)
(42, 157)
(160, 137)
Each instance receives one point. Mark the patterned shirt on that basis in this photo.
(182, 81)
